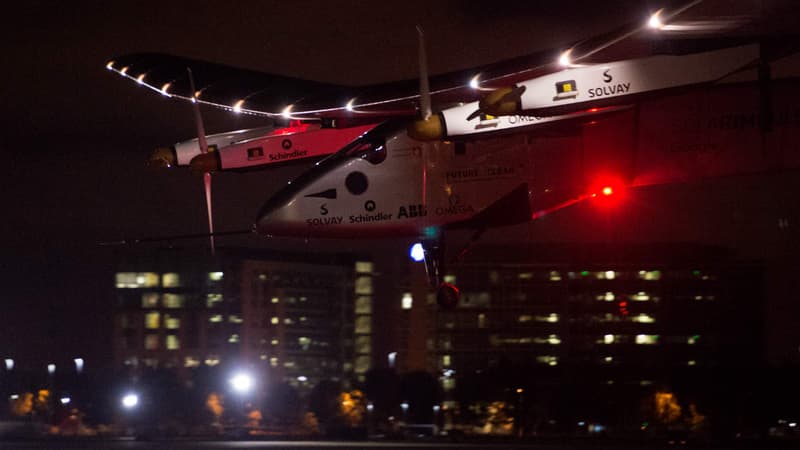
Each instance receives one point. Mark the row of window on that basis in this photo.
(133, 280)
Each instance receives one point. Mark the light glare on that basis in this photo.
(565, 60)
(237, 107)
(416, 252)
(655, 21)
(242, 382)
(129, 401)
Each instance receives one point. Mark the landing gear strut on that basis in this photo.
(447, 294)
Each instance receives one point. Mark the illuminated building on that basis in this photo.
(607, 315)
(295, 318)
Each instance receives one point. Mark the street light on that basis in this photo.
(130, 401)
(78, 364)
(242, 382)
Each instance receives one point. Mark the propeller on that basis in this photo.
(428, 126)
(499, 102)
(201, 140)
(424, 87)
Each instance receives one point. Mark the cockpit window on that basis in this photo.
(373, 150)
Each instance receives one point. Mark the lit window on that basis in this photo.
(643, 318)
(171, 280)
(288, 321)
(550, 318)
(651, 275)
(363, 345)
(171, 322)
(547, 359)
(647, 339)
(152, 320)
(450, 278)
(407, 300)
(555, 276)
(691, 362)
(608, 359)
(289, 364)
(136, 279)
(273, 362)
(610, 274)
(274, 321)
(640, 297)
(524, 318)
(173, 301)
(481, 320)
(363, 324)
(363, 285)
(691, 340)
(150, 300)
(446, 360)
(216, 318)
(213, 300)
(234, 319)
(525, 275)
(364, 267)
(361, 364)
(191, 361)
(275, 342)
(172, 342)
(608, 296)
(215, 276)
(212, 360)
(275, 300)
(151, 342)
(363, 305)
(448, 384)
(553, 339)
(234, 339)
(304, 342)
(608, 339)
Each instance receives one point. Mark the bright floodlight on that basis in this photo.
(608, 190)
(416, 252)
(129, 401)
(65, 400)
(242, 382)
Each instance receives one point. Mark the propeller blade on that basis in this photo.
(424, 87)
(514, 95)
(201, 140)
(474, 114)
(207, 184)
(198, 119)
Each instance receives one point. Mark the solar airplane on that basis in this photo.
(498, 145)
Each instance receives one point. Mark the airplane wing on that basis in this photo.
(271, 95)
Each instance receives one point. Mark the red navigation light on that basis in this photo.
(607, 191)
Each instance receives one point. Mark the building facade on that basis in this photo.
(293, 318)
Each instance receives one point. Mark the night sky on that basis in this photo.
(75, 137)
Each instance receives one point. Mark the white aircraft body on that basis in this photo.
(509, 146)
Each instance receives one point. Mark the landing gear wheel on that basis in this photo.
(447, 296)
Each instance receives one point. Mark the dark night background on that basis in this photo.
(75, 138)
